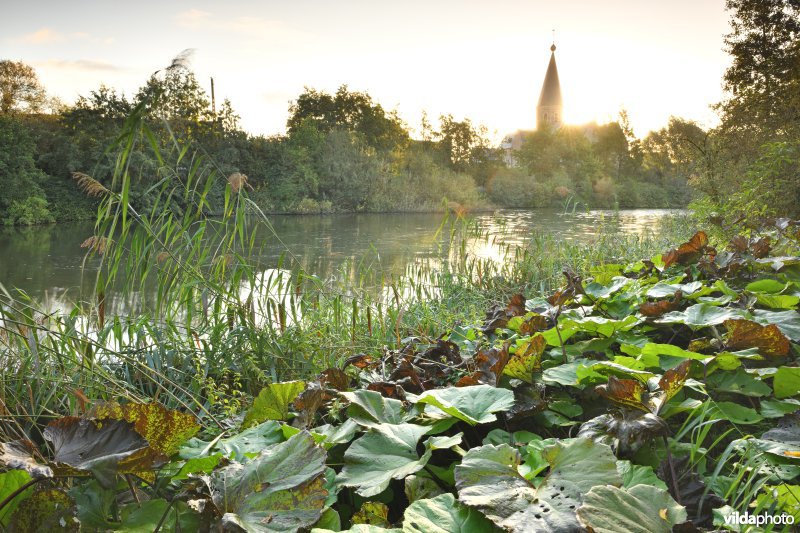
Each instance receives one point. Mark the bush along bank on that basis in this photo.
(650, 396)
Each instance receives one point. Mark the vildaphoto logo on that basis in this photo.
(746, 518)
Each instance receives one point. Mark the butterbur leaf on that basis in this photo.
(656, 309)
(387, 451)
(102, 448)
(335, 379)
(237, 447)
(273, 402)
(388, 390)
(624, 392)
(489, 367)
(309, 402)
(282, 489)
(46, 510)
(488, 479)
(360, 361)
(164, 429)
(497, 317)
(688, 252)
(671, 382)
(768, 339)
(18, 455)
(473, 405)
(691, 491)
(639, 509)
(373, 513)
(443, 514)
(786, 432)
(625, 431)
(369, 408)
(527, 359)
(528, 400)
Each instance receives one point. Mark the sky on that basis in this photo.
(482, 60)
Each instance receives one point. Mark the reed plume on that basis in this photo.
(89, 185)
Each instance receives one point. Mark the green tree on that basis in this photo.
(352, 111)
(20, 89)
(23, 200)
(763, 81)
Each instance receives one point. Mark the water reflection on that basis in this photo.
(50, 266)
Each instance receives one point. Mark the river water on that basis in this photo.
(49, 265)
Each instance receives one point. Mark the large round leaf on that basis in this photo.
(387, 451)
(640, 509)
(443, 514)
(280, 490)
(474, 405)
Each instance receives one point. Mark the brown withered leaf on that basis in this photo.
(534, 324)
(308, 402)
(625, 392)
(574, 282)
(18, 455)
(670, 383)
(497, 317)
(688, 252)
(528, 400)
(388, 390)
(768, 339)
(335, 379)
(489, 365)
(527, 359)
(360, 361)
(656, 309)
(560, 297)
(761, 247)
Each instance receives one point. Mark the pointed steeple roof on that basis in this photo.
(551, 88)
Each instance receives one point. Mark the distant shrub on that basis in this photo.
(32, 210)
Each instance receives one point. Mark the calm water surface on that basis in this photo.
(50, 266)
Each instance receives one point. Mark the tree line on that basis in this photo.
(345, 152)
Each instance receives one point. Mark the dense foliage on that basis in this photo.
(341, 152)
(643, 398)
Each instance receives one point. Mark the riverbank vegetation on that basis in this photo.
(648, 383)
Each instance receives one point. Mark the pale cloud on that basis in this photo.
(196, 19)
(87, 65)
(43, 36)
(47, 35)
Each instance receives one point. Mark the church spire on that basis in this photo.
(550, 107)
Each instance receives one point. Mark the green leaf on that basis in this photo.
(9, 482)
(633, 475)
(386, 452)
(282, 489)
(443, 514)
(777, 408)
(566, 374)
(601, 326)
(702, 315)
(787, 381)
(787, 321)
(273, 402)
(488, 478)
(238, 447)
(46, 510)
(640, 509)
(370, 408)
(735, 413)
(739, 382)
(778, 301)
(474, 404)
(94, 506)
(652, 348)
(144, 517)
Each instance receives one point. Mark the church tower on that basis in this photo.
(549, 109)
